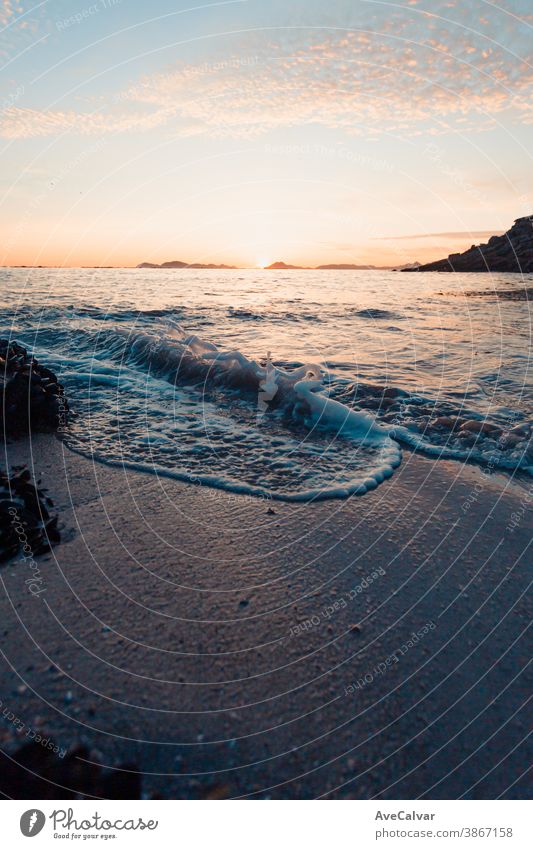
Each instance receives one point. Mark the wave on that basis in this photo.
(158, 399)
(375, 313)
(222, 419)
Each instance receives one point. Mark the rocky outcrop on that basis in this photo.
(511, 252)
(30, 395)
(25, 521)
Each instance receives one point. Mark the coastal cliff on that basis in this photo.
(511, 252)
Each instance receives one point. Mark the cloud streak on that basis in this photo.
(461, 234)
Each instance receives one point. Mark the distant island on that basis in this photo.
(343, 266)
(176, 263)
(282, 266)
(511, 252)
(276, 266)
(347, 266)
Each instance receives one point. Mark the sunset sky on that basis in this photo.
(250, 131)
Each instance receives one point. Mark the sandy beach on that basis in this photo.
(227, 646)
(266, 406)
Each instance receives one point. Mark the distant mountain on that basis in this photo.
(176, 263)
(511, 252)
(282, 266)
(344, 266)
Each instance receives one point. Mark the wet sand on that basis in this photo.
(231, 647)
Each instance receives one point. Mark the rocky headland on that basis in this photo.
(512, 252)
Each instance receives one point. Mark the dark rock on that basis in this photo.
(24, 516)
(511, 252)
(35, 772)
(31, 398)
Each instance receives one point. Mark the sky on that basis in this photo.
(250, 131)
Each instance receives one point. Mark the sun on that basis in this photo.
(263, 263)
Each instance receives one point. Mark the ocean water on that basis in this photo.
(290, 385)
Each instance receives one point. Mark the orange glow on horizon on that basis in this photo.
(38, 251)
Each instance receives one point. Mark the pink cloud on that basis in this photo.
(356, 81)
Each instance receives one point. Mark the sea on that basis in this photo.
(294, 385)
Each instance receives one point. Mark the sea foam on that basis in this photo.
(150, 395)
(176, 404)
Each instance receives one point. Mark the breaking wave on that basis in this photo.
(178, 405)
(149, 395)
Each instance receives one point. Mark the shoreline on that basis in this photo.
(210, 638)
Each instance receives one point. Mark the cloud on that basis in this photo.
(361, 82)
(20, 123)
(20, 23)
(6, 12)
(461, 234)
(355, 82)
